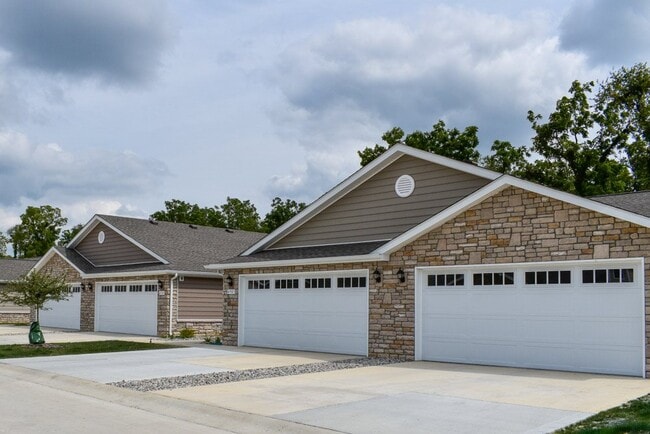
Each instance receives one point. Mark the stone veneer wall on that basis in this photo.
(512, 226)
(15, 318)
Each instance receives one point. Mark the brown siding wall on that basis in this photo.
(116, 250)
(373, 211)
(200, 299)
(512, 226)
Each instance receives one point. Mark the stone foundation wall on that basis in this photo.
(15, 318)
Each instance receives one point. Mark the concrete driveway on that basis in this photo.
(406, 397)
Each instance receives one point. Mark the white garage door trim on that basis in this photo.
(64, 314)
(637, 264)
(127, 307)
(358, 339)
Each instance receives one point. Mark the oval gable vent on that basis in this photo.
(404, 185)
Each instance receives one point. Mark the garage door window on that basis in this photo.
(120, 288)
(351, 282)
(135, 288)
(286, 283)
(107, 288)
(553, 277)
(494, 279)
(320, 282)
(609, 275)
(75, 288)
(259, 284)
(446, 280)
(151, 288)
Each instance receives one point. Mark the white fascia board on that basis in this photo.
(361, 175)
(84, 231)
(307, 261)
(496, 186)
(133, 241)
(152, 273)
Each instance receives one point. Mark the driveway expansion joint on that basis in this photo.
(169, 383)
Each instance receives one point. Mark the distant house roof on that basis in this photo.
(12, 269)
(184, 248)
(637, 202)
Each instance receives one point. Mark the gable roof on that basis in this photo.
(179, 246)
(636, 202)
(383, 251)
(359, 177)
(12, 269)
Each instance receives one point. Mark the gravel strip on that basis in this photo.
(168, 383)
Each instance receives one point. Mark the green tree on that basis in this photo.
(281, 212)
(506, 158)
(3, 245)
(179, 211)
(35, 289)
(240, 214)
(38, 231)
(68, 234)
(447, 142)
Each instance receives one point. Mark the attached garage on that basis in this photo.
(64, 314)
(127, 307)
(326, 312)
(585, 316)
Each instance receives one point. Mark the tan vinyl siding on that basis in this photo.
(200, 299)
(116, 250)
(373, 211)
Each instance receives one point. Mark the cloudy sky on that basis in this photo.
(114, 106)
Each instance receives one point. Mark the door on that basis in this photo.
(323, 312)
(64, 314)
(585, 316)
(127, 307)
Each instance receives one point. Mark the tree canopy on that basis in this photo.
(597, 141)
(68, 234)
(35, 289)
(37, 232)
(234, 214)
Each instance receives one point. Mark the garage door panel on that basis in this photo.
(309, 319)
(571, 326)
(64, 314)
(127, 312)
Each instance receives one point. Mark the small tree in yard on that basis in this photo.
(35, 289)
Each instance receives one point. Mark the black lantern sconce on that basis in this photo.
(401, 276)
(160, 285)
(377, 275)
(88, 286)
(229, 280)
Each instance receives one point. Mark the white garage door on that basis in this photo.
(127, 308)
(65, 313)
(574, 316)
(324, 312)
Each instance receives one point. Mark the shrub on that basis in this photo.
(186, 333)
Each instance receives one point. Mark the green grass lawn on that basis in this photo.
(631, 417)
(61, 349)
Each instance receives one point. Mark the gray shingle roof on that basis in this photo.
(185, 248)
(11, 269)
(637, 202)
(308, 252)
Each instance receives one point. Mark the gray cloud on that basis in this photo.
(609, 32)
(118, 41)
(458, 65)
(35, 171)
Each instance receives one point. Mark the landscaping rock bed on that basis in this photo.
(168, 383)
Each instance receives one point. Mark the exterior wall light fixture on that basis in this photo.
(400, 275)
(377, 275)
(229, 280)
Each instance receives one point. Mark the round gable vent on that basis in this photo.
(101, 236)
(404, 185)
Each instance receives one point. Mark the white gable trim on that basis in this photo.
(46, 258)
(361, 175)
(496, 186)
(95, 221)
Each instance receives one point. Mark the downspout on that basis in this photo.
(171, 302)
